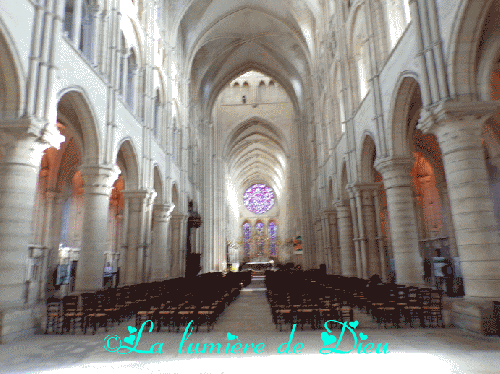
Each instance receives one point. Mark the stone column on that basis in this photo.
(20, 156)
(334, 240)
(136, 201)
(52, 236)
(176, 223)
(380, 236)
(98, 183)
(159, 255)
(355, 232)
(148, 250)
(327, 240)
(369, 212)
(319, 255)
(448, 219)
(396, 173)
(347, 259)
(363, 248)
(458, 130)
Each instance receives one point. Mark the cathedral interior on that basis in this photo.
(249, 167)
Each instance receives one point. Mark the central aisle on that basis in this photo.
(249, 312)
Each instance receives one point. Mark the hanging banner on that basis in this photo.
(297, 245)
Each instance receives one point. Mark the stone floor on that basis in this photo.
(248, 320)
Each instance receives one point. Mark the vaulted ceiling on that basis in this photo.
(222, 39)
(256, 154)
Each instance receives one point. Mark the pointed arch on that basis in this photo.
(126, 159)
(158, 185)
(407, 91)
(12, 78)
(75, 106)
(368, 155)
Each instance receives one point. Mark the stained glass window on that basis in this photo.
(260, 243)
(246, 238)
(259, 198)
(272, 238)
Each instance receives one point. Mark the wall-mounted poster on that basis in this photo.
(63, 274)
(297, 245)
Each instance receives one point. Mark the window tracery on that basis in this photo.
(259, 198)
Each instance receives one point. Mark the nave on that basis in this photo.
(249, 318)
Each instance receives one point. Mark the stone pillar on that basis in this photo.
(148, 250)
(176, 223)
(52, 236)
(77, 23)
(18, 171)
(159, 255)
(396, 173)
(319, 255)
(327, 240)
(448, 219)
(380, 236)
(98, 183)
(136, 201)
(334, 240)
(458, 130)
(355, 232)
(347, 259)
(363, 248)
(369, 212)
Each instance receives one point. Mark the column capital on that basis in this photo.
(162, 212)
(450, 112)
(389, 164)
(325, 214)
(99, 179)
(138, 198)
(23, 140)
(343, 209)
(53, 194)
(365, 186)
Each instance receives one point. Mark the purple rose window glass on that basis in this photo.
(259, 198)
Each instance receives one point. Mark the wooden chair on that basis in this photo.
(54, 315)
(412, 311)
(93, 312)
(71, 314)
(432, 308)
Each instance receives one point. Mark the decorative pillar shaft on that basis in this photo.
(448, 219)
(347, 259)
(159, 255)
(373, 257)
(176, 256)
(380, 236)
(458, 130)
(137, 246)
(397, 181)
(98, 182)
(363, 250)
(355, 234)
(20, 156)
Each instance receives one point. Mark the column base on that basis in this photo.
(21, 321)
(474, 315)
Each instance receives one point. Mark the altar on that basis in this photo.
(258, 265)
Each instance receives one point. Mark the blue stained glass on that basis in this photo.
(246, 238)
(259, 198)
(260, 231)
(272, 238)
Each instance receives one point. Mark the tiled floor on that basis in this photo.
(439, 351)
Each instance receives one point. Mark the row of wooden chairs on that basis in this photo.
(203, 304)
(172, 303)
(391, 304)
(301, 300)
(324, 297)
